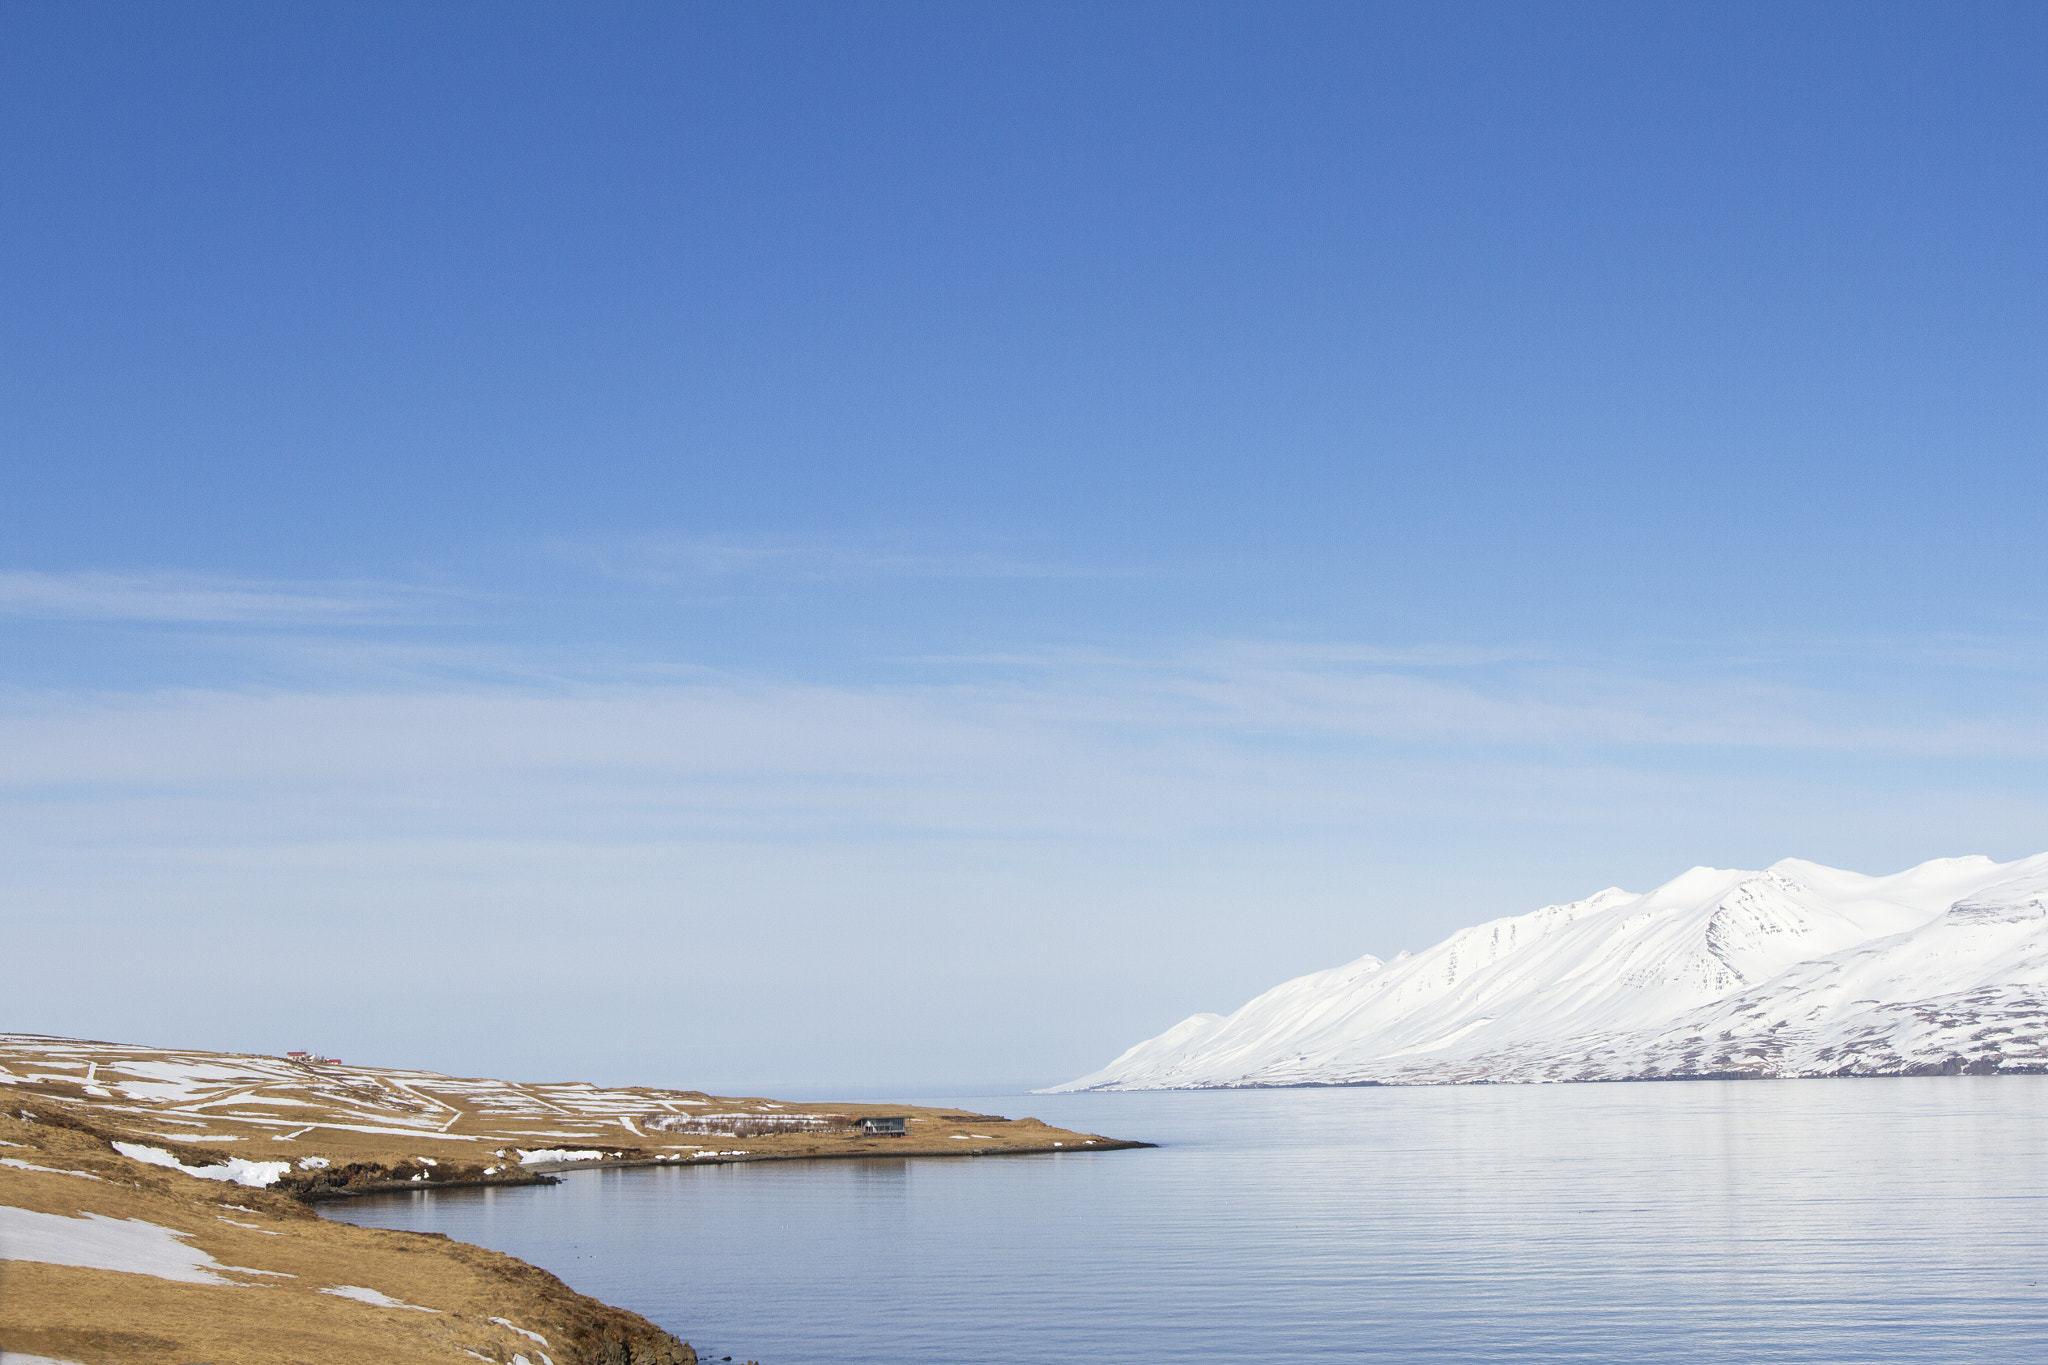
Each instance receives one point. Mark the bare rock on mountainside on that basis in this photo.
(1799, 970)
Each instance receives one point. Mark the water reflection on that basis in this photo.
(1880, 1221)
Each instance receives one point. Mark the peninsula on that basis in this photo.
(154, 1201)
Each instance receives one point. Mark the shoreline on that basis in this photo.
(1954, 1066)
(550, 1173)
(221, 1159)
(328, 1130)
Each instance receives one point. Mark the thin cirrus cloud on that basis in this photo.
(1207, 718)
(198, 599)
(990, 820)
(1222, 734)
(1334, 693)
(734, 559)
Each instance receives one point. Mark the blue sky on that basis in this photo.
(539, 540)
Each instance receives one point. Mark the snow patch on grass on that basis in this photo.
(21, 1165)
(255, 1174)
(531, 1336)
(94, 1241)
(373, 1298)
(527, 1158)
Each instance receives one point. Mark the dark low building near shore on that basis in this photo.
(891, 1126)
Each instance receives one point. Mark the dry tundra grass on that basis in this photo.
(323, 1130)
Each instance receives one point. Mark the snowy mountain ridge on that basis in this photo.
(1798, 970)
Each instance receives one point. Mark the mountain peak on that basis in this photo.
(1941, 966)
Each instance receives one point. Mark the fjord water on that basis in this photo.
(1872, 1220)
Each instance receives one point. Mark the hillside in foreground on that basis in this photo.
(107, 1260)
(1800, 970)
(153, 1202)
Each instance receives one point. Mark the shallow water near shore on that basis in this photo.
(1838, 1221)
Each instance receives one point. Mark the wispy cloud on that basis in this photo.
(1241, 694)
(1261, 691)
(726, 560)
(1244, 809)
(1159, 730)
(190, 598)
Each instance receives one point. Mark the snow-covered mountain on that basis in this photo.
(1799, 970)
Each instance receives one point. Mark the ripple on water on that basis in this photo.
(1885, 1221)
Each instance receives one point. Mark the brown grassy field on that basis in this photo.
(354, 1129)
(238, 1276)
(245, 1272)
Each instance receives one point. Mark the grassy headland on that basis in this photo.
(112, 1252)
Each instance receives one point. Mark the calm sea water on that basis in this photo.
(1881, 1221)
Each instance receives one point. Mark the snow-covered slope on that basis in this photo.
(1796, 970)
